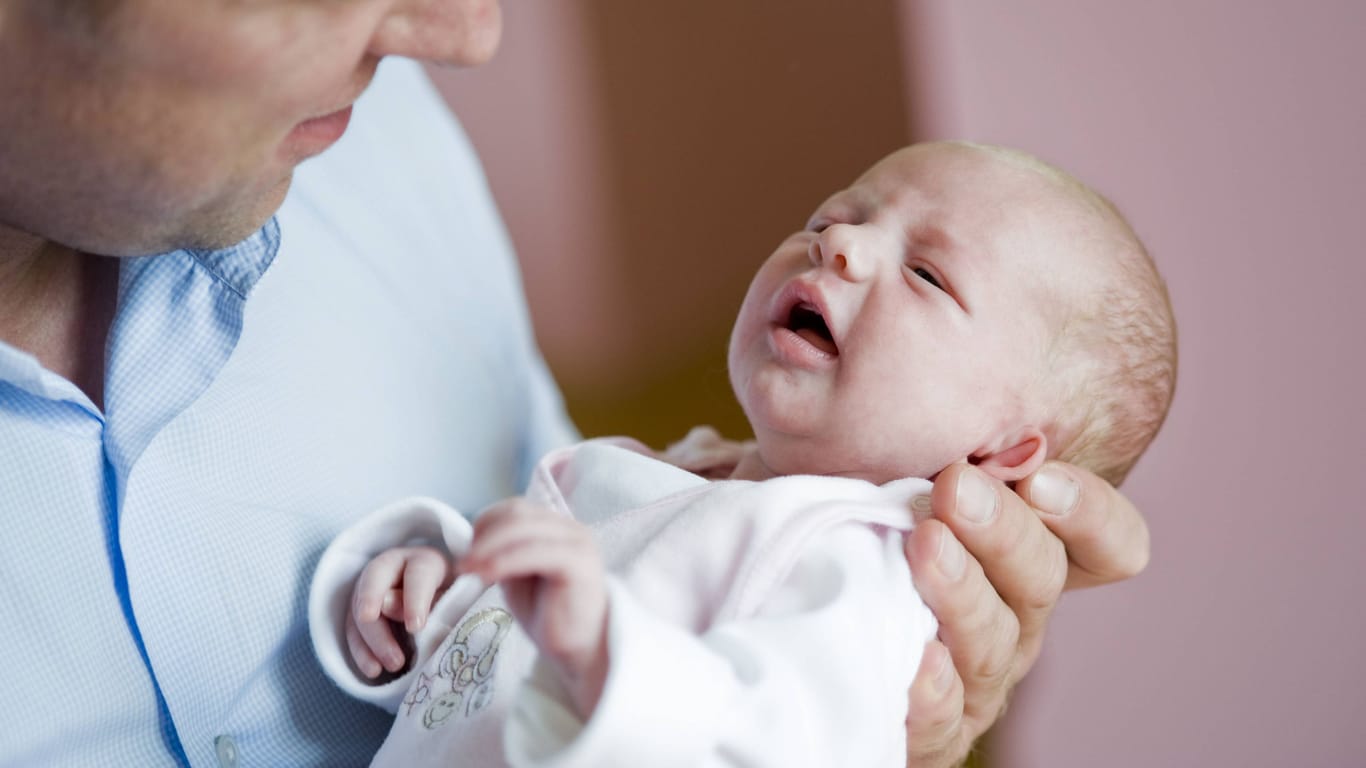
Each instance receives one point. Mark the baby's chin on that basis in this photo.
(782, 459)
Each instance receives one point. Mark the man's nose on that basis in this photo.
(462, 33)
(839, 248)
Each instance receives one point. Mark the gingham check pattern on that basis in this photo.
(155, 557)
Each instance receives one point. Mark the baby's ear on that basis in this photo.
(1024, 452)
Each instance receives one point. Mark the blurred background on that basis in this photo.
(648, 156)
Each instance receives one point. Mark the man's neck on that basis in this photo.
(57, 304)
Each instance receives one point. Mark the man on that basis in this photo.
(181, 433)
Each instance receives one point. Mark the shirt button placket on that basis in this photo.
(227, 751)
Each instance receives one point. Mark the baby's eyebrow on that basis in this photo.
(858, 201)
(930, 236)
(843, 202)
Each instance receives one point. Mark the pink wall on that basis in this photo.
(533, 115)
(1233, 134)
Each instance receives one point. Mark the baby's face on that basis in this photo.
(905, 327)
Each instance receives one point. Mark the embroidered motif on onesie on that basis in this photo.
(464, 681)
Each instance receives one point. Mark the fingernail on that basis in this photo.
(921, 510)
(1053, 491)
(976, 500)
(950, 558)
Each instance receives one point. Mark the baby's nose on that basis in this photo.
(838, 249)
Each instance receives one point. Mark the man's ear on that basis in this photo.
(1015, 457)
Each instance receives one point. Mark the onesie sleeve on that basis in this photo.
(818, 677)
(407, 522)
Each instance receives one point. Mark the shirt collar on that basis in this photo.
(238, 268)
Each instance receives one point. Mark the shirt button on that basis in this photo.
(227, 751)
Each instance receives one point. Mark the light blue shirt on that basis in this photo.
(370, 343)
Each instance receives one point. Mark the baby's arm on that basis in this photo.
(399, 585)
(555, 584)
(408, 522)
(818, 677)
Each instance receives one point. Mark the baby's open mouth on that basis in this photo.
(806, 321)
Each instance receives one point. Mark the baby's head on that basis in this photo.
(957, 302)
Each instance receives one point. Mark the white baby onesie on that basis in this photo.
(769, 623)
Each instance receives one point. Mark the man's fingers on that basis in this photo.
(934, 721)
(980, 630)
(991, 565)
(1106, 537)
(1025, 563)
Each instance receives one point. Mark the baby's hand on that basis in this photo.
(399, 585)
(555, 584)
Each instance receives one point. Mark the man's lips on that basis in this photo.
(325, 129)
(316, 134)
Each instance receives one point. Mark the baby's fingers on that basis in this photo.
(379, 577)
(365, 661)
(553, 554)
(378, 638)
(513, 545)
(427, 571)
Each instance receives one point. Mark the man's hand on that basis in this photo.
(399, 585)
(555, 584)
(991, 565)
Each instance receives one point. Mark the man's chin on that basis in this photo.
(222, 227)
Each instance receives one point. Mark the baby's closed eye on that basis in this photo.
(927, 276)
